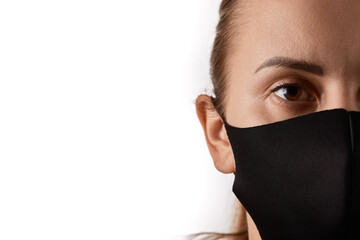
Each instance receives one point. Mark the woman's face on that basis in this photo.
(324, 34)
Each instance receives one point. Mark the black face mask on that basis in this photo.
(300, 178)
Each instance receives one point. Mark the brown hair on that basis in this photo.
(226, 31)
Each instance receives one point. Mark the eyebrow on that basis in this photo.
(292, 63)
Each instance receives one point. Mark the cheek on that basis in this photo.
(276, 112)
(244, 109)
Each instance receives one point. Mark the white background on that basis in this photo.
(99, 137)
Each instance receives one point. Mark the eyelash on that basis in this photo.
(283, 85)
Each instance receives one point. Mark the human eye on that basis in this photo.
(291, 93)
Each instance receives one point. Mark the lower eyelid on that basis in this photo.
(294, 105)
(280, 101)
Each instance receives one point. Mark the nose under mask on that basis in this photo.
(300, 178)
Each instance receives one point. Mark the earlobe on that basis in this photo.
(215, 135)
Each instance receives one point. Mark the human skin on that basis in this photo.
(323, 32)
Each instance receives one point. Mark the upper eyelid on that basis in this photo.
(287, 84)
(279, 86)
(297, 80)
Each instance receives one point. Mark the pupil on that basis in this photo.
(292, 90)
(292, 93)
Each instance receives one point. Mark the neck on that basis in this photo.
(252, 229)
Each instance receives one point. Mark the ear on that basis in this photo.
(215, 135)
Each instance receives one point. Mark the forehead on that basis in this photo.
(322, 31)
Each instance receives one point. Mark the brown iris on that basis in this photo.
(293, 92)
